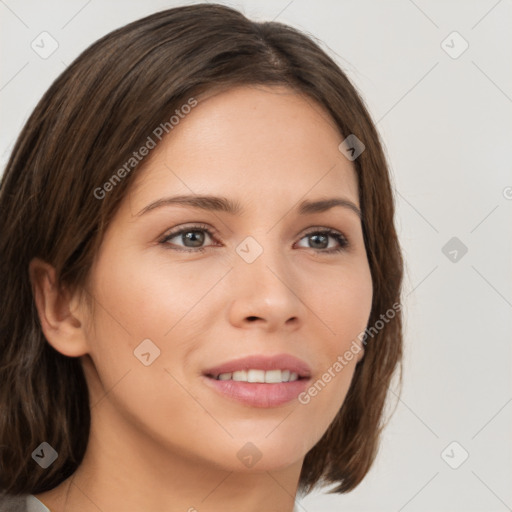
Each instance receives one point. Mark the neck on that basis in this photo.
(126, 470)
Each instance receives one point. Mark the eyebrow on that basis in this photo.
(224, 204)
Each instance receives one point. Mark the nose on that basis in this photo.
(265, 293)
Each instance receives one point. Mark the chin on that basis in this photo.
(256, 454)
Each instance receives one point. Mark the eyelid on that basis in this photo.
(316, 229)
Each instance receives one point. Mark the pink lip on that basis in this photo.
(257, 394)
(258, 362)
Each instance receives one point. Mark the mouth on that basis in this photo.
(261, 376)
(260, 381)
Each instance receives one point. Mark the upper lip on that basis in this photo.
(262, 362)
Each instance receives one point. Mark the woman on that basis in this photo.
(201, 275)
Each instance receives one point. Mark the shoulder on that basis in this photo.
(10, 503)
(21, 503)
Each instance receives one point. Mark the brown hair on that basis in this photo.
(87, 125)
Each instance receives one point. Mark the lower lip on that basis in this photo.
(258, 394)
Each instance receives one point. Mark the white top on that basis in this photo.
(34, 505)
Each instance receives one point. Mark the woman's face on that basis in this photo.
(271, 282)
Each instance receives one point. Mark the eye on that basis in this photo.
(191, 236)
(320, 240)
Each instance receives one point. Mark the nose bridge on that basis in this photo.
(258, 253)
(264, 281)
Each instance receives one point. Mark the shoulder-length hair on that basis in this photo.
(85, 128)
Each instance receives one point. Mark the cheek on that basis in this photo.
(152, 314)
(342, 302)
(343, 306)
(150, 300)
(138, 366)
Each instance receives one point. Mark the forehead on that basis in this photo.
(252, 143)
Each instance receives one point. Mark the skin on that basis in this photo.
(160, 438)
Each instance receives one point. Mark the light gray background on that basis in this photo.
(447, 126)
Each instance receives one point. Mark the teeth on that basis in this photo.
(273, 376)
(255, 376)
(269, 376)
(241, 375)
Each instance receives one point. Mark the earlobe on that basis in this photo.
(360, 353)
(60, 321)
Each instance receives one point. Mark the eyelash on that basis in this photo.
(339, 237)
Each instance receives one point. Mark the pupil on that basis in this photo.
(315, 238)
(191, 236)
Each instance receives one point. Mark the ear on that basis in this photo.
(60, 313)
(360, 354)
